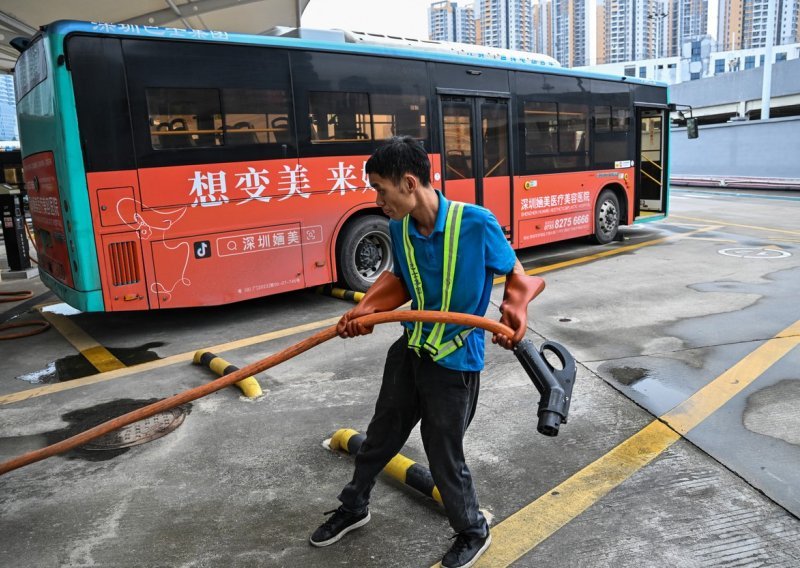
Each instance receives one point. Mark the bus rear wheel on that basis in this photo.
(365, 250)
(606, 217)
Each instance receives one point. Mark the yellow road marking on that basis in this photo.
(725, 224)
(525, 529)
(102, 359)
(610, 252)
(180, 358)
(783, 239)
(713, 240)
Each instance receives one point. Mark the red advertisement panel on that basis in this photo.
(229, 267)
(555, 207)
(217, 233)
(44, 202)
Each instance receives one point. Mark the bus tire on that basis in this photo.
(365, 250)
(606, 217)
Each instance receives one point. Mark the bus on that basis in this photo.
(171, 168)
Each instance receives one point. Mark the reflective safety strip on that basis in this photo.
(452, 231)
(415, 341)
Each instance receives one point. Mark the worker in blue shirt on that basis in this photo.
(445, 257)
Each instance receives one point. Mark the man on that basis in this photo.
(445, 257)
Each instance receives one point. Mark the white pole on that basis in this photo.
(766, 84)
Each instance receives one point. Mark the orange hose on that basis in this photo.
(38, 327)
(252, 369)
(15, 296)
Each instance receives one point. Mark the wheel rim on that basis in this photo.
(607, 218)
(372, 255)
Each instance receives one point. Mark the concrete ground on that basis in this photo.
(668, 459)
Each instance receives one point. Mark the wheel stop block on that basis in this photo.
(249, 385)
(400, 468)
(340, 293)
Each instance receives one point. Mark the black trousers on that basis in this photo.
(415, 388)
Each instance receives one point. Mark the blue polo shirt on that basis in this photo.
(483, 251)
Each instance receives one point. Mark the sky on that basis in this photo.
(397, 17)
(408, 18)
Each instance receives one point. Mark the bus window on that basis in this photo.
(611, 142)
(457, 120)
(573, 121)
(602, 119)
(256, 116)
(541, 130)
(184, 118)
(573, 142)
(494, 129)
(621, 119)
(399, 115)
(339, 117)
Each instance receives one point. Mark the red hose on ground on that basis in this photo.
(252, 369)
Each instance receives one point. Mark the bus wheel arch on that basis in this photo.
(363, 249)
(609, 213)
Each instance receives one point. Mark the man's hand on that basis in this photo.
(348, 327)
(386, 293)
(520, 290)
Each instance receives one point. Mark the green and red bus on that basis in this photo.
(176, 168)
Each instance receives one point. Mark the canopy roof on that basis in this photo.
(24, 17)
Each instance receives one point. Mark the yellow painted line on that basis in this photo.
(180, 358)
(607, 253)
(783, 239)
(726, 224)
(524, 530)
(102, 359)
(713, 240)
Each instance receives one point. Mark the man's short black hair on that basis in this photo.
(398, 156)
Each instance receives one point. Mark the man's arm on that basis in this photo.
(386, 293)
(520, 290)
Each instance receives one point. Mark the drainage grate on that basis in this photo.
(140, 432)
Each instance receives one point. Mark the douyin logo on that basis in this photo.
(202, 249)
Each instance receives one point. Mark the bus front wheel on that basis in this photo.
(365, 251)
(606, 217)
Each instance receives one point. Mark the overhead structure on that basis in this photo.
(23, 17)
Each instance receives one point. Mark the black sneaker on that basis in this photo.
(466, 550)
(340, 523)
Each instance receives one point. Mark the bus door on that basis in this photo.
(476, 153)
(651, 148)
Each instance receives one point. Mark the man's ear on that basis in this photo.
(411, 182)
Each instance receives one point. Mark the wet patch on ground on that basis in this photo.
(120, 441)
(772, 411)
(77, 366)
(628, 375)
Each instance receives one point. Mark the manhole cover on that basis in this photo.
(140, 432)
(755, 252)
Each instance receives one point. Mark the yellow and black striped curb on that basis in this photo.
(401, 468)
(221, 367)
(340, 293)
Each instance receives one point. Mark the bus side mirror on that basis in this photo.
(691, 128)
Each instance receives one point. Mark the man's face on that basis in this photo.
(393, 198)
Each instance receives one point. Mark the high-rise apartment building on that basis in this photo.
(677, 21)
(542, 26)
(789, 25)
(564, 30)
(600, 36)
(505, 23)
(8, 113)
(643, 29)
(743, 23)
(449, 21)
(571, 24)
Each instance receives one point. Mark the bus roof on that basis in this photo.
(67, 27)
